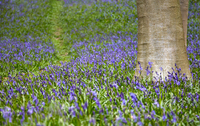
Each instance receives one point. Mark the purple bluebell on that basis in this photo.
(7, 113)
(92, 121)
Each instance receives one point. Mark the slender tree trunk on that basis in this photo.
(161, 38)
(184, 12)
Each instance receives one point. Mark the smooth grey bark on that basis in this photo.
(160, 38)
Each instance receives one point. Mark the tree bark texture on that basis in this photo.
(184, 4)
(161, 38)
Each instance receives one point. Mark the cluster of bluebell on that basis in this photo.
(21, 18)
(24, 30)
(97, 88)
(193, 49)
(118, 50)
(17, 53)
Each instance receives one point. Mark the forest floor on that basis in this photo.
(57, 40)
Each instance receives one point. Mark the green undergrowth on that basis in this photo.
(57, 31)
(25, 22)
(22, 18)
(81, 22)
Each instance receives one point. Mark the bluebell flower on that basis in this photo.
(156, 103)
(148, 72)
(198, 117)
(123, 102)
(164, 117)
(7, 113)
(30, 111)
(115, 85)
(153, 113)
(174, 120)
(134, 97)
(92, 120)
(85, 106)
(94, 93)
(97, 102)
(140, 124)
(35, 99)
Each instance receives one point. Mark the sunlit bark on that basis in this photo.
(184, 12)
(161, 37)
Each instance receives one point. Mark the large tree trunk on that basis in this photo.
(184, 13)
(161, 38)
